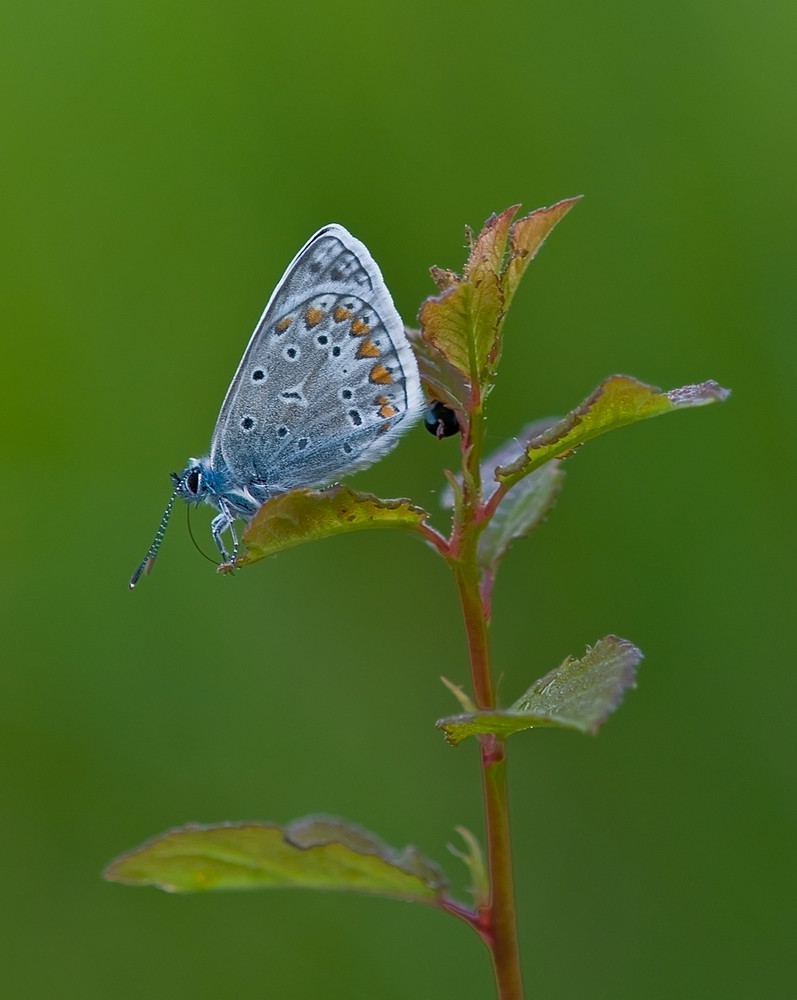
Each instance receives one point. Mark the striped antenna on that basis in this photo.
(147, 562)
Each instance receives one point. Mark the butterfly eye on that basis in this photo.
(192, 481)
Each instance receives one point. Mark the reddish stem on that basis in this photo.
(497, 922)
(501, 915)
(491, 506)
(436, 539)
(476, 630)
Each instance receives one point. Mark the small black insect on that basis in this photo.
(440, 420)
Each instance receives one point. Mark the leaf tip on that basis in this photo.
(699, 395)
(449, 730)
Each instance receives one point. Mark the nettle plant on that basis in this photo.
(494, 500)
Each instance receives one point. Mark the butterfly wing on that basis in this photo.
(328, 381)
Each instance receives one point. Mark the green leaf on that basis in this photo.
(619, 400)
(579, 694)
(310, 853)
(524, 507)
(306, 515)
(463, 322)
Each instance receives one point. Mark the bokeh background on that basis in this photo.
(162, 162)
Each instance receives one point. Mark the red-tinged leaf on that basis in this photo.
(488, 250)
(444, 278)
(526, 237)
(487, 317)
(464, 321)
(311, 853)
(483, 272)
(617, 401)
(306, 515)
(446, 323)
(440, 379)
(579, 694)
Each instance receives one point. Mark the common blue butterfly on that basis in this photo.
(326, 386)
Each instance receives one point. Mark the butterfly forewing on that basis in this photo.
(327, 376)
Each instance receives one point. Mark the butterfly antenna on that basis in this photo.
(193, 539)
(146, 563)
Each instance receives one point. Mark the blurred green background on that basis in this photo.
(161, 165)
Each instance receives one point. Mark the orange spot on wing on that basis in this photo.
(283, 324)
(387, 411)
(368, 349)
(381, 400)
(380, 375)
(359, 329)
(313, 317)
(339, 314)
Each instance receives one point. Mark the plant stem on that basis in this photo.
(502, 912)
(497, 919)
(476, 631)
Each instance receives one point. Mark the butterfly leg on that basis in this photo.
(224, 521)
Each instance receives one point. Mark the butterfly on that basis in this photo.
(326, 386)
